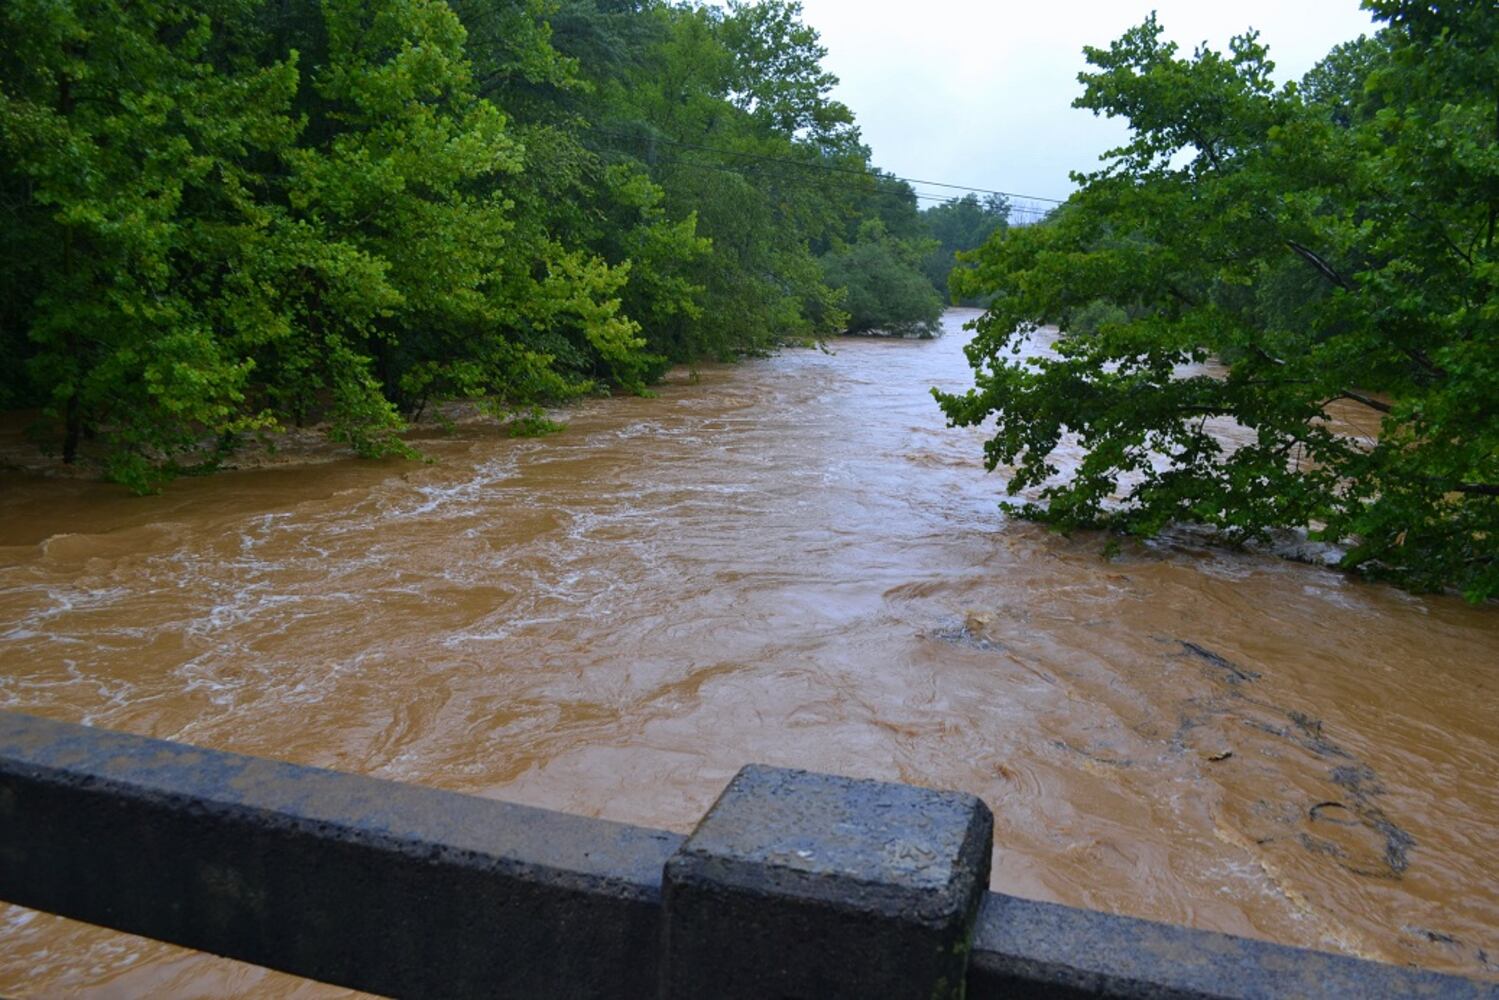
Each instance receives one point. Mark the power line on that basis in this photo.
(829, 167)
(1013, 208)
(1035, 212)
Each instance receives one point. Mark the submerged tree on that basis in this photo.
(1330, 243)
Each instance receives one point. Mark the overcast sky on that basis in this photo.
(979, 91)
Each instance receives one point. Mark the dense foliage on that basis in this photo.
(1331, 243)
(886, 291)
(228, 216)
(960, 225)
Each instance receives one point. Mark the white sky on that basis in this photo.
(980, 93)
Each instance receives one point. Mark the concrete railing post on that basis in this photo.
(810, 886)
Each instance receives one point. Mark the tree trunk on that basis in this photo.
(73, 429)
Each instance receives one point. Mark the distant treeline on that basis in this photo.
(228, 216)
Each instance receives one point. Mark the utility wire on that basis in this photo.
(1031, 210)
(1014, 208)
(831, 168)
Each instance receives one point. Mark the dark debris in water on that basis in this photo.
(1449, 941)
(1358, 779)
(1333, 812)
(1233, 673)
(1308, 733)
(1354, 830)
(1360, 813)
(1093, 755)
(1435, 937)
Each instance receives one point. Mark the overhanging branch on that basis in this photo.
(1369, 401)
(1323, 267)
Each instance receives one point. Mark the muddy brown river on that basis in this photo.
(790, 561)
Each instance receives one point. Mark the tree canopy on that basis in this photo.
(959, 225)
(231, 216)
(1265, 255)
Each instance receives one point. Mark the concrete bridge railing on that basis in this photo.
(793, 885)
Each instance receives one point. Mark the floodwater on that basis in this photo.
(790, 561)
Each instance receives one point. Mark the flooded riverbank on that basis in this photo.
(789, 561)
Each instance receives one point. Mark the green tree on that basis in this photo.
(960, 225)
(727, 112)
(130, 136)
(1331, 243)
(884, 288)
(403, 183)
(238, 214)
(777, 72)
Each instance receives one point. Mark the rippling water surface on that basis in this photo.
(789, 561)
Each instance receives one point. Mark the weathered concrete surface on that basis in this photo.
(371, 884)
(1024, 949)
(806, 885)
